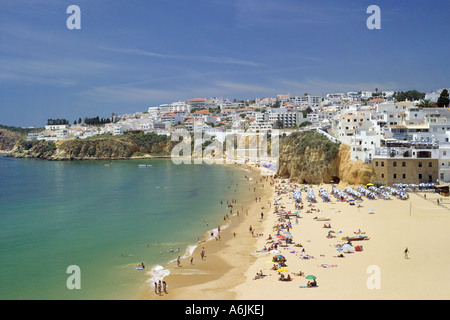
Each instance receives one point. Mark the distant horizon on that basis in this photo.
(130, 55)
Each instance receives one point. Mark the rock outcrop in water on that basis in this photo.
(309, 157)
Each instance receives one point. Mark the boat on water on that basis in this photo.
(145, 165)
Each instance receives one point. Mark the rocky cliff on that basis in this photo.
(9, 138)
(98, 148)
(309, 157)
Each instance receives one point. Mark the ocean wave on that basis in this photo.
(157, 273)
(189, 251)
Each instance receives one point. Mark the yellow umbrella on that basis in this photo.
(282, 270)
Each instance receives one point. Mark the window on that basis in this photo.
(403, 164)
(430, 164)
(420, 164)
(395, 176)
(382, 175)
(420, 176)
(404, 176)
(376, 163)
(394, 163)
(382, 163)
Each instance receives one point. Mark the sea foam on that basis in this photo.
(157, 273)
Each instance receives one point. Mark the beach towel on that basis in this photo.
(308, 287)
(326, 265)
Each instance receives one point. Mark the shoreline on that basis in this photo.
(418, 223)
(224, 258)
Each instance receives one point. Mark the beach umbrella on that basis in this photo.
(310, 277)
(282, 270)
(281, 236)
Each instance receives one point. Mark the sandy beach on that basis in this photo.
(225, 261)
(379, 271)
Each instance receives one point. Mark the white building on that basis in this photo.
(261, 122)
(56, 127)
(179, 106)
(156, 111)
(288, 118)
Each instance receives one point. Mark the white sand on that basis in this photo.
(424, 275)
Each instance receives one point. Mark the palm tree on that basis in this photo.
(427, 104)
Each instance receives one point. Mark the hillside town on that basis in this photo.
(406, 141)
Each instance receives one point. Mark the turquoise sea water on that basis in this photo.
(104, 217)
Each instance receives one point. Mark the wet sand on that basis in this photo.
(379, 271)
(226, 260)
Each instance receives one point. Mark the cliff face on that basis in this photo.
(306, 157)
(93, 149)
(8, 139)
(311, 158)
(103, 148)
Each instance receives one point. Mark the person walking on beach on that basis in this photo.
(178, 261)
(156, 287)
(165, 287)
(202, 254)
(159, 287)
(406, 253)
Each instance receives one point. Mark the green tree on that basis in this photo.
(411, 95)
(427, 104)
(443, 100)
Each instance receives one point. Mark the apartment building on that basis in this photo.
(406, 162)
(287, 118)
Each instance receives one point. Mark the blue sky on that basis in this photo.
(133, 54)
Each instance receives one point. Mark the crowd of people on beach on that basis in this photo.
(287, 192)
